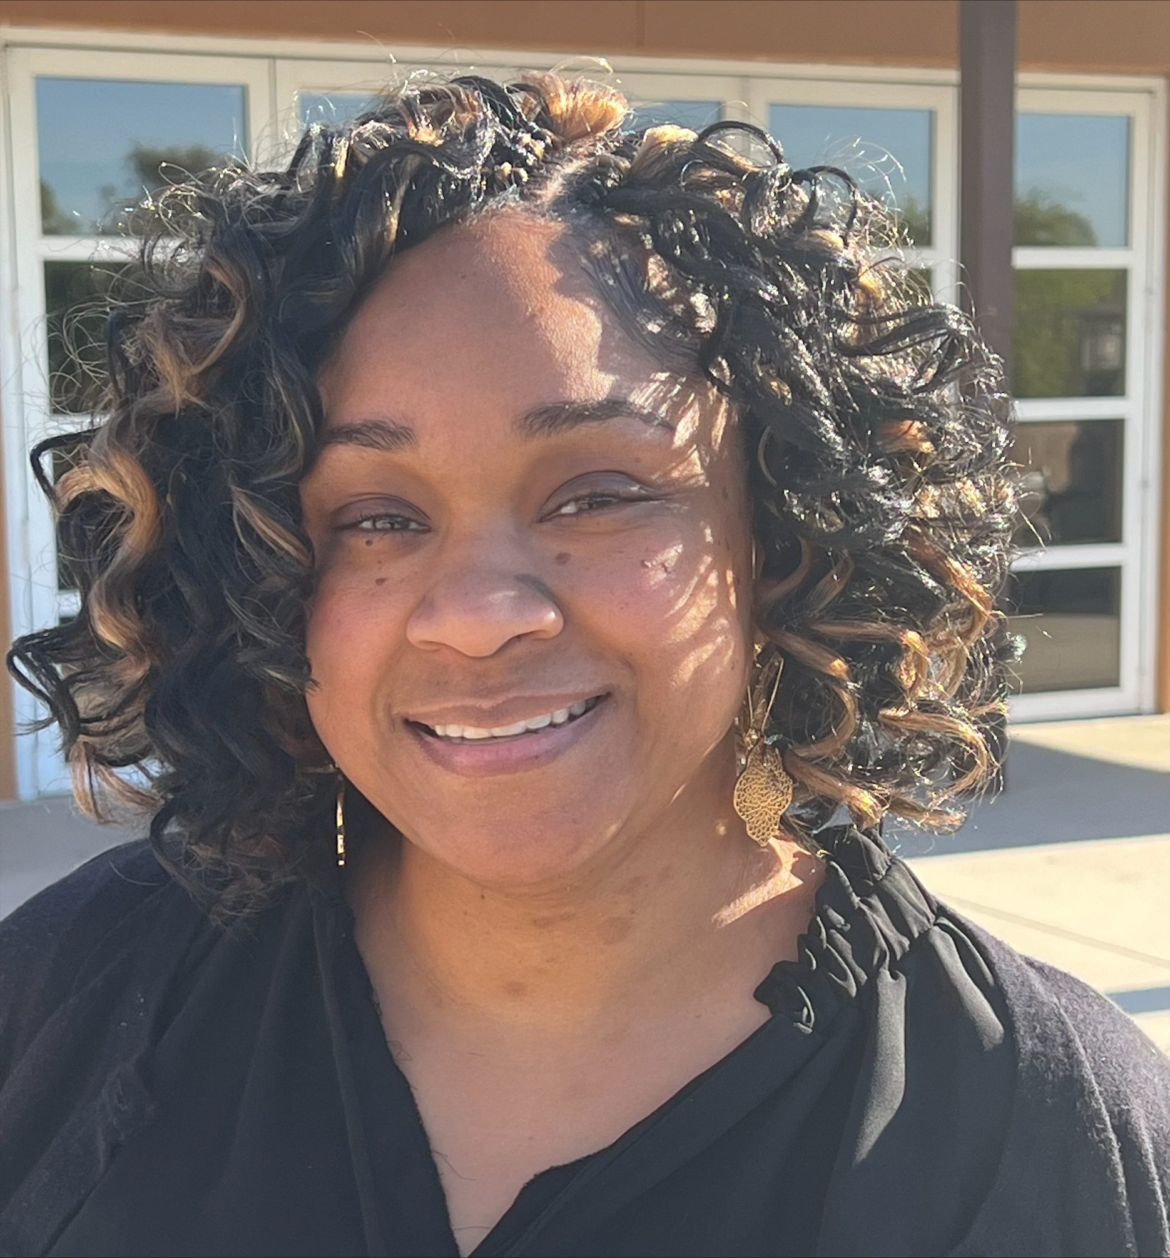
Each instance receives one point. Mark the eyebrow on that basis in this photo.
(389, 435)
(371, 434)
(547, 421)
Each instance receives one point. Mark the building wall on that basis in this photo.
(1118, 36)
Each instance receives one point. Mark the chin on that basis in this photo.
(514, 854)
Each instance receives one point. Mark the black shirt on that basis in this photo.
(919, 1089)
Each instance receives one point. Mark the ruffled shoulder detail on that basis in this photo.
(869, 911)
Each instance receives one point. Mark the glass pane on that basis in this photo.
(1069, 336)
(1071, 620)
(692, 114)
(332, 106)
(888, 152)
(103, 144)
(1071, 483)
(76, 303)
(1072, 179)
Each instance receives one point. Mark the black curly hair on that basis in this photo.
(873, 423)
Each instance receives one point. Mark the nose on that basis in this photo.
(477, 610)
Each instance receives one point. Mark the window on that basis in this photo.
(1071, 618)
(1079, 373)
(97, 132)
(692, 114)
(1058, 201)
(1072, 486)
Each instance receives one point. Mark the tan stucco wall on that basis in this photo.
(1130, 36)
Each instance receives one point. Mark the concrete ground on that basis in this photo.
(1071, 864)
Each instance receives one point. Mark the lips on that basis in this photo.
(490, 750)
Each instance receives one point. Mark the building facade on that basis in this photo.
(100, 100)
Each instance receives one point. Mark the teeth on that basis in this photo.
(559, 717)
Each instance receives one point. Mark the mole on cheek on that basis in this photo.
(379, 580)
(369, 541)
(563, 557)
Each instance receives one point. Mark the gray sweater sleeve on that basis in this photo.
(1085, 1168)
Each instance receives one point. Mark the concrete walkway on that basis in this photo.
(1071, 864)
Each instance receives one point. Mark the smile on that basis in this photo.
(478, 751)
(518, 729)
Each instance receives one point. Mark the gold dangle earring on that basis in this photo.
(341, 823)
(763, 790)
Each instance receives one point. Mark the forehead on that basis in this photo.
(503, 305)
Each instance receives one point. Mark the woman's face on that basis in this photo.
(531, 624)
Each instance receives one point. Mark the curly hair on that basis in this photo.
(873, 422)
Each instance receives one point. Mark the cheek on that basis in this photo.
(353, 627)
(670, 604)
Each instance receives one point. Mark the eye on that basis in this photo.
(587, 503)
(586, 499)
(386, 522)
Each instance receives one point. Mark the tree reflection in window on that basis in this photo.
(1040, 220)
(105, 144)
(1070, 333)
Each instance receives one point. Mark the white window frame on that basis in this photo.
(273, 69)
(1136, 554)
(28, 415)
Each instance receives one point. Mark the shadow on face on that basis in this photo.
(530, 630)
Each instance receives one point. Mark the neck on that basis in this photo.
(692, 910)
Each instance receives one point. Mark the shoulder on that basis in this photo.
(65, 939)
(1086, 1156)
(62, 927)
(1065, 1027)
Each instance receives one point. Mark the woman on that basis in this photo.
(526, 559)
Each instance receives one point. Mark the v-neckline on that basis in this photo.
(696, 1114)
(844, 943)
